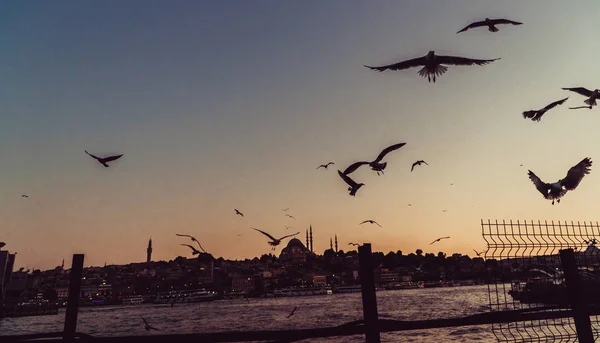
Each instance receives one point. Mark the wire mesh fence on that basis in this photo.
(525, 273)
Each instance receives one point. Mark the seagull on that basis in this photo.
(354, 244)
(193, 240)
(148, 327)
(478, 253)
(288, 215)
(490, 24)
(238, 212)
(370, 222)
(24, 196)
(432, 64)
(557, 190)
(537, 115)
(439, 239)
(274, 242)
(376, 164)
(591, 95)
(105, 160)
(417, 163)
(325, 165)
(580, 107)
(354, 187)
(194, 250)
(292, 313)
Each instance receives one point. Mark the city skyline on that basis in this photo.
(217, 106)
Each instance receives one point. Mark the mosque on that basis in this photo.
(295, 251)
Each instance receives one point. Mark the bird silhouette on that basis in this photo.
(238, 212)
(193, 240)
(376, 164)
(274, 241)
(292, 313)
(580, 107)
(432, 64)
(325, 165)
(289, 215)
(439, 239)
(490, 23)
(105, 160)
(557, 190)
(417, 163)
(537, 115)
(148, 327)
(194, 250)
(591, 95)
(370, 222)
(353, 185)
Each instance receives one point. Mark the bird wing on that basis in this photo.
(556, 103)
(462, 61)
(473, 25)
(388, 150)
(347, 179)
(504, 21)
(96, 157)
(352, 168)
(401, 65)
(180, 235)
(112, 158)
(264, 233)
(576, 174)
(539, 184)
(289, 235)
(580, 90)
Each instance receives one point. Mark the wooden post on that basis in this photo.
(367, 287)
(576, 297)
(73, 299)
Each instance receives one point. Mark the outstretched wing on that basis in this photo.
(539, 184)
(556, 103)
(352, 168)
(504, 21)
(388, 150)
(96, 157)
(576, 174)
(415, 62)
(289, 235)
(473, 25)
(264, 233)
(580, 90)
(462, 61)
(347, 179)
(112, 158)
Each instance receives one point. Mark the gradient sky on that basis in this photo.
(222, 105)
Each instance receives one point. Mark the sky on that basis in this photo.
(223, 105)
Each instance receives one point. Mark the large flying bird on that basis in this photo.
(537, 115)
(275, 242)
(353, 185)
(193, 240)
(376, 164)
(490, 23)
(432, 64)
(557, 190)
(591, 95)
(325, 165)
(417, 163)
(439, 239)
(370, 222)
(105, 160)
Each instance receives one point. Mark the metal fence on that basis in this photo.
(526, 272)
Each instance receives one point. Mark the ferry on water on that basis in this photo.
(192, 296)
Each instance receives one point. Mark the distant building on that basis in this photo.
(295, 251)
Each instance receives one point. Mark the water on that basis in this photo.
(270, 314)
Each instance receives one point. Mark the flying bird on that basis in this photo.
(478, 253)
(325, 165)
(591, 95)
(353, 186)
(148, 327)
(238, 212)
(432, 64)
(370, 222)
(292, 313)
(193, 240)
(557, 190)
(537, 115)
(194, 250)
(490, 23)
(274, 242)
(439, 239)
(105, 160)
(376, 164)
(580, 107)
(417, 163)
(289, 215)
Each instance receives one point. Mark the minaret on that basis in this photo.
(336, 250)
(307, 242)
(149, 251)
(330, 243)
(311, 239)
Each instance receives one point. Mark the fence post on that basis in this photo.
(73, 298)
(367, 288)
(580, 310)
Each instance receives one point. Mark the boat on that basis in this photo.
(298, 292)
(133, 300)
(191, 296)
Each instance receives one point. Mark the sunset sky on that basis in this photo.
(222, 105)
